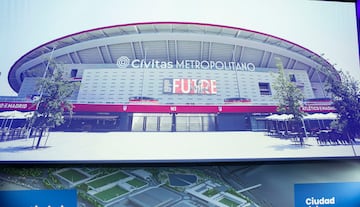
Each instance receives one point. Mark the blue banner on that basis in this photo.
(38, 198)
(327, 195)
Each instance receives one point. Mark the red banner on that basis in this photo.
(18, 106)
(190, 86)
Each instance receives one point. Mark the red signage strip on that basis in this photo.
(98, 108)
(147, 108)
(157, 108)
(17, 106)
(318, 108)
(249, 109)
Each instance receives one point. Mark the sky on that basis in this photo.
(324, 27)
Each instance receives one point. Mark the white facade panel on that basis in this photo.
(28, 87)
(118, 85)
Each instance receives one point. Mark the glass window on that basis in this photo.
(195, 123)
(165, 123)
(151, 123)
(292, 77)
(264, 89)
(138, 123)
(182, 124)
(73, 73)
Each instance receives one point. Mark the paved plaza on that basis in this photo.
(167, 146)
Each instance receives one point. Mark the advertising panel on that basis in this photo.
(189, 86)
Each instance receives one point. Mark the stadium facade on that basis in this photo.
(171, 76)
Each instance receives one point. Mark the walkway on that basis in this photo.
(167, 146)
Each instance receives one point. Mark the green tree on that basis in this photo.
(53, 100)
(345, 94)
(289, 97)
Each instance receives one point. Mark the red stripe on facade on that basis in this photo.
(147, 108)
(157, 108)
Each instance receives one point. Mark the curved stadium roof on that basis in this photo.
(168, 41)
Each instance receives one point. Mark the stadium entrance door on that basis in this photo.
(167, 122)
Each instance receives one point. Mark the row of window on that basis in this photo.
(265, 87)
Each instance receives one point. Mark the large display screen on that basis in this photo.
(247, 184)
(173, 81)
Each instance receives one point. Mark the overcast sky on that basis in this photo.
(322, 27)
